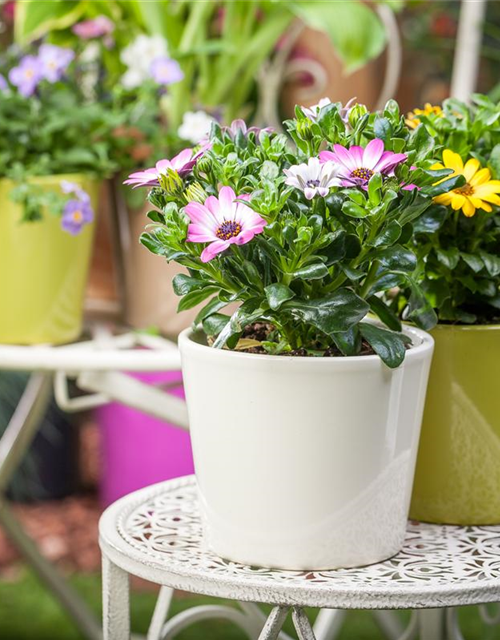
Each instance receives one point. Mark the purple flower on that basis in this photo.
(240, 125)
(26, 75)
(313, 178)
(165, 71)
(4, 86)
(76, 214)
(181, 163)
(72, 187)
(313, 112)
(54, 61)
(96, 28)
(357, 164)
(222, 222)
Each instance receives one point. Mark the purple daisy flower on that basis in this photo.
(27, 75)
(222, 222)
(313, 178)
(182, 163)
(358, 164)
(54, 61)
(166, 71)
(240, 125)
(76, 214)
(96, 28)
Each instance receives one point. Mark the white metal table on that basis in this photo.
(156, 534)
(98, 366)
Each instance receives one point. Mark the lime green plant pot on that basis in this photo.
(457, 479)
(43, 269)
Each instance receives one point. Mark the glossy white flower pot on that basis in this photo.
(304, 463)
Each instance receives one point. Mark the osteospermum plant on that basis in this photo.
(457, 240)
(304, 237)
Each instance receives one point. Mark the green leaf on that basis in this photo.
(183, 284)
(491, 262)
(312, 272)
(35, 19)
(472, 261)
(249, 312)
(374, 187)
(448, 257)
(494, 161)
(398, 258)
(386, 315)
(445, 186)
(355, 30)
(212, 307)
(349, 342)
(382, 128)
(277, 294)
(431, 220)
(390, 346)
(193, 298)
(389, 235)
(151, 242)
(354, 210)
(420, 310)
(335, 313)
(215, 323)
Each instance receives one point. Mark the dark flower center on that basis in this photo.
(466, 190)
(228, 229)
(313, 183)
(362, 173)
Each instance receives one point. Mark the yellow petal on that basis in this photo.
(490, 197)
(444, 198)
(471, 167)
(438, 165)
(493, 186)
(457, 201)
(481, 177)
(485, 206)
(469, 209)
(452, 160)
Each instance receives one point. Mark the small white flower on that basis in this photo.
(195, 126)
(313, 178)
(313, 112)
(138, 57)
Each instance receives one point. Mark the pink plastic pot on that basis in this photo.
(139, 450)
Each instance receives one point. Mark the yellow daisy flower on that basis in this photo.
(479, 192)
(412, 119)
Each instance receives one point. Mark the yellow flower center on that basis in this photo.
(29, 73)
(77, 216)
(466, 190)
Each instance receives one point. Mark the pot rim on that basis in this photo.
(466, 327)
(420, 350)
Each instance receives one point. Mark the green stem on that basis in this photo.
(372, 274)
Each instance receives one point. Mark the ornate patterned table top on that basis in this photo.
(156, 533)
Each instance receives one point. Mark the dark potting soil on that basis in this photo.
(260, 331)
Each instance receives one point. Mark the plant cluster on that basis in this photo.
(457, 240)
(306, 238)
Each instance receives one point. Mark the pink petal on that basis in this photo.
(181, 159)
(309, 193)
(213, 205)
(198, 233)
(226, 199)
(372, 153)
(389, 160)
(213, 249)
(357, 153)
(200, 214)
(345, 157)
(327, 156)
(163, 165)
(244, 237)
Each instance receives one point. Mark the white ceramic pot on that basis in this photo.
(304, 463)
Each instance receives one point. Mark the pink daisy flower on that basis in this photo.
(222, 222)
(358, 164)
(181, 163)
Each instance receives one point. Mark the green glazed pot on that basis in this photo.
(43, 269)
(457, 479)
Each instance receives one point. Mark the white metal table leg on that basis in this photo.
(329, 623)
(13, 445)
(160, 614)
(432, 624)
(302, 624)
(389, 623)
(274, 623)
(116, 601)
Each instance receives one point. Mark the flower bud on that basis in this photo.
(195, 193)
(170, 181)
(357, 112)
(304, 129)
